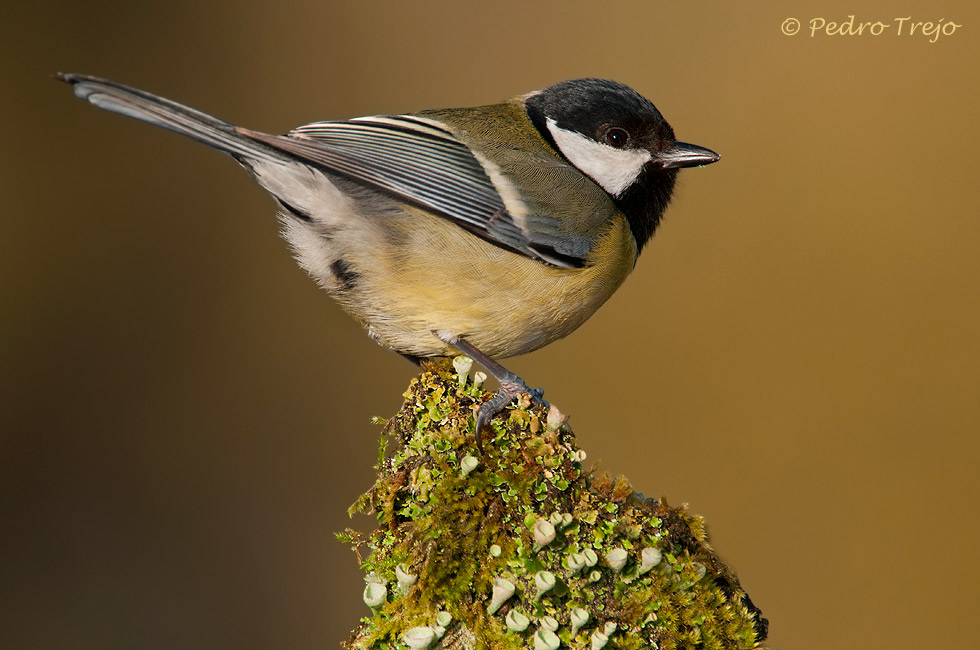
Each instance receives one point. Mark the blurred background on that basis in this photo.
(186, 417)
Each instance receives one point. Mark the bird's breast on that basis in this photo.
(426, 274)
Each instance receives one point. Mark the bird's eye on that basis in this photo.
(617, 137)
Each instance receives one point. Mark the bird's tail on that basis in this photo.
(170, 115)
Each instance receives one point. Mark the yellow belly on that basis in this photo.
(427, 274)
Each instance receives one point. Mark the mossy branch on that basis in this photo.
(522, 547)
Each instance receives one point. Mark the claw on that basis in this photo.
(511, 386)
(508, 392)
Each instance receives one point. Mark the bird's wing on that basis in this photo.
(422, 163)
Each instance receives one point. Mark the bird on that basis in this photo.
(489, 231)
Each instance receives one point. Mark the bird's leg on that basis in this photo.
(510, 384)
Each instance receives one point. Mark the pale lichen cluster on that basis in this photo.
(520, 547)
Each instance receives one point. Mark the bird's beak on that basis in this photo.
(687, 155)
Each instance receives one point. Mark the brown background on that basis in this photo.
(186, 416)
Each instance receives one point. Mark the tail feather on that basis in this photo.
(170, 115)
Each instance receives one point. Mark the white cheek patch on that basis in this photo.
(613, 169)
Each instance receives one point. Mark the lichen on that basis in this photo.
(581, 549)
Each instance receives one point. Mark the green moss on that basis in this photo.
(442, 525)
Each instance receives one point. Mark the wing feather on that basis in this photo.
(424, 164)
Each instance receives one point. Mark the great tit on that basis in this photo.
(492, 230)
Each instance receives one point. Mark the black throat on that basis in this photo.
(644, 202)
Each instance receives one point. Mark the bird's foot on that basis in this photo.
(511, 386)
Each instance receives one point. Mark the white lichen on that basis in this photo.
(375, 594)
(546, 640)
(575, 562)
(544, 581)
(649, 558)
(516, 621)
(405, 579)
(462, 364)
(419, 638)
(468, 464)
(616, 559)
(544, 533)
(579, 618)
(591, 557)
(502, 590)
(599, 640)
